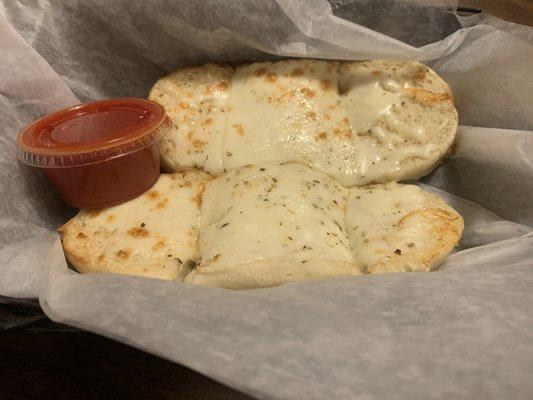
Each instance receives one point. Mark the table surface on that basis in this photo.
(44, 362)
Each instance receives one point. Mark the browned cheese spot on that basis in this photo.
(260, 72)
(223, 85)
(346, 133)
(239, 128)
(271, 78)
(81, 235)
(297, 72)
(123, 254)
(327, 117)
(153, 194)
(100, 258)
(426, 96)
(312, 115)
(308, 93)
(162, 204)
(110, 218)
(183, 105)
(326, 84)
(158, 245)
(321, 136)
(207, 121)
(420, 73)
(95, 213)
(197, 199)
(285, 97)
(198, 144)
(376, 72)
(138, 232)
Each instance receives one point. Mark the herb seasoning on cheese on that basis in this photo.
(140, 237)
(274, 219)
(400, 228)
(360, 122)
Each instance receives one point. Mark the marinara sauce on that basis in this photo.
(97, 154)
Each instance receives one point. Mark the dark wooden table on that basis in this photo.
(46, 361)
(43, 360)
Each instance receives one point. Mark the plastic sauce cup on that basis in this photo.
(97, 154)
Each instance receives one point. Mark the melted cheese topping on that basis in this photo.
(287, 111)
(153, 235)
(285, 219)
(367, 102)
(360, 122)
(394, 228)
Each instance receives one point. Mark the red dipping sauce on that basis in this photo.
(98, 154)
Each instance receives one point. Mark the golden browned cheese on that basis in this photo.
(152, 235)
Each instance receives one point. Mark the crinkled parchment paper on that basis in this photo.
(462, 332)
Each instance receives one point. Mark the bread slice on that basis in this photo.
(196, 100)
(403, 116)
(400, 228)
(266, 225)
(360, 122)
(152, 235)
